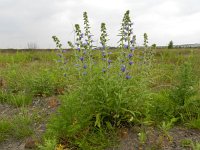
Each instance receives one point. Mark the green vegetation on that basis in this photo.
(88, 119)
(17, 127)
(102, 91)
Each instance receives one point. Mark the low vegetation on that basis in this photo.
(104, 91)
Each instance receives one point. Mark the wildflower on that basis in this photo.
(125, 46)
(130, 63)
(103, 54)
(78, 49)
(85, 44)
(126, 28)
(81, 36)
(84, 66)
(81, 58)
(109, 61)
(123, 68)
(132, 41)
(125, 33)
(132, 48)
(130, 55)
(128, 76)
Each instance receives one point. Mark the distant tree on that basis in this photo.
(153, 46)
(171, 45)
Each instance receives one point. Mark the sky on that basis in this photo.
(36, 21)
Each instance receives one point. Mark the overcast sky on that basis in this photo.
(35, 21)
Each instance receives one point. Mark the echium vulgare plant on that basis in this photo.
(88, 46)
(127, 45)
(83, 46)
(148, 53)
(104, 50)
(62, 61)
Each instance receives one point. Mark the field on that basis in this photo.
(43, 106)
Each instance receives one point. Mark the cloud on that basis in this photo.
(36, 21)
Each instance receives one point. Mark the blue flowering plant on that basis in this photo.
(104, 50)
(83, 48)
(127, 46)
(105, 97)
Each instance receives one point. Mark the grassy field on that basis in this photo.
(45, 105)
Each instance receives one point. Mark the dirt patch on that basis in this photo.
(154, 139)
(40, 110)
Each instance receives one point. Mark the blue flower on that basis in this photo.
(130, 63)
(126, 28)
(123, 68)
(109, 61)
(132, 48)
(85, 44)
(103, 54)
(84, 66)
(125, 46)
(78, 49)
(81, 36)
(125, 33)
(128, 76)
(81, 58)
(130, 55)
(132, 41)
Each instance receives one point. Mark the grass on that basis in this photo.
(92, 110)
(18, 127)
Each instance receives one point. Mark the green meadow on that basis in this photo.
(67, 109)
